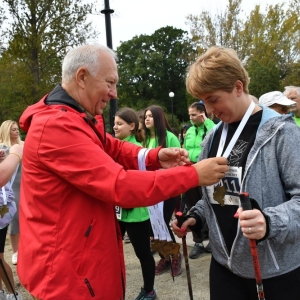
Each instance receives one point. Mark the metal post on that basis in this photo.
(113, 102)
(171, 95)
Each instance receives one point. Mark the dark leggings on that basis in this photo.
(190, 198)
(139, 233)
(226, 285)
(3, 233)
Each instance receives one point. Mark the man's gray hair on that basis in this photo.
(85, 56)
(289, 88)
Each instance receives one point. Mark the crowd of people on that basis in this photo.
(83, 191)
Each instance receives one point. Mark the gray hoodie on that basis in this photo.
(272, 178)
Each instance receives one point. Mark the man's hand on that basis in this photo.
(211, 170)
(173, 157)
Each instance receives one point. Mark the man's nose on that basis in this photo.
(113, 93)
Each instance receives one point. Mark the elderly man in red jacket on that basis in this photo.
(73, 177)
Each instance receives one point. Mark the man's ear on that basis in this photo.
(81, 76)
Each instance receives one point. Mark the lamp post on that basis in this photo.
(113, 102)
(171, 95)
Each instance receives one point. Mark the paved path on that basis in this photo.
(166, 288)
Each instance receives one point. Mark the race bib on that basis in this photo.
(118, 212)
(231, 184)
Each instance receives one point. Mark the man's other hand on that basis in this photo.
(173, 157)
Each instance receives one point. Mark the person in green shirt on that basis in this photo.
(158, 132)
(136, 221)
(293, 93)
(201, 125)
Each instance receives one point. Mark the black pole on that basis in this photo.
(113, 102)
(172, 113)
(180, 219)
(171, 95)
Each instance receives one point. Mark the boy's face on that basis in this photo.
(224, 105)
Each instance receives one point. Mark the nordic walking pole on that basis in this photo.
(246, 205)
(180, 220)
(6, 275)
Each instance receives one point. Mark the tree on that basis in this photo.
(266, 41)
(2, 19)
(293, 76)
(263, 79)
(271, 36)
(39, 35)
(222, 29)
(152, 66)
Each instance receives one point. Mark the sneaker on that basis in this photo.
(207, 248)
(14, 258)
(12, 296)
(126, 239)
(162, 266)
(176, 265)
(2, 295)
(197, 250)
(143, 295)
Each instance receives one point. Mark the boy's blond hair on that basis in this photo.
(218, 68)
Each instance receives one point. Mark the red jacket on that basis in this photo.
(70, 244)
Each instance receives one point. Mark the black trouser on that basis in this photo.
(169, 206)
(190, 198)
(226, 285)
(139, 233)
(3, 233)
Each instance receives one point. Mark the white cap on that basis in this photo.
(276, 97)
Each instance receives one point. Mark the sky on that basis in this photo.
(135, 17)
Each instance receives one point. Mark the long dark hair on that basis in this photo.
(161, 125)
(130, 116)
(183, 130)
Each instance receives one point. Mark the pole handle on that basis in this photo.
(180, 218)
(245, 201)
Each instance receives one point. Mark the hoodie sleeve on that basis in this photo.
(284, 221)
(279, 189)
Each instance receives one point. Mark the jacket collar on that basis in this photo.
(59, 96)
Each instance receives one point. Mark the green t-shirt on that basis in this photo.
(171, 141)
(151, 143)
(138, 214)
(297, 120)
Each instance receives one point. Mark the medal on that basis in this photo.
(171, 249)
(219, 194)
(3, 210)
